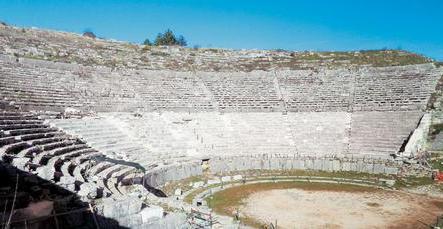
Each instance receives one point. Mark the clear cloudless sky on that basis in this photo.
(415, 25)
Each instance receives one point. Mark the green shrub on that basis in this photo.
(168, 38)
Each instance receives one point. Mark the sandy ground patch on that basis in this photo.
(297, 208)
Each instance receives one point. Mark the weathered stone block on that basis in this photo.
(151, 212)
(226, 179)
(214, 181)
(121, 208)
(198, 184)
(237, 177)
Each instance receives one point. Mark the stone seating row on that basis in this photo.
(398, 88)
(381, 131)
(58, 157)
(103, 135)
(175, 134)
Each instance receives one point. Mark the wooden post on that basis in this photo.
(55, 219)
(93, 215)
(13, 203)
(4, 212)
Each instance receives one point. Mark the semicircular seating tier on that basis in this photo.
(54, 86)
(31, 144)
(358, 112)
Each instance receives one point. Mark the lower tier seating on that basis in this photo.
(170, 135)
(32, 145)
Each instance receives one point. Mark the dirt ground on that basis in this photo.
(299, 208)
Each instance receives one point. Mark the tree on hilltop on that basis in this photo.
(182, 41)
(168, 38)
(147, 42)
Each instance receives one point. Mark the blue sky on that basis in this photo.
(244, 24)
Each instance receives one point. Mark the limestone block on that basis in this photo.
(327, 165)
(266, 164)
(287, 164)
(20, 163)
(175, 173)
(298, 164)
(238, 165)
(88, 190)
(70, 187)
(67, 180)
(234, 165)
(196, 170)
(181, 172)
(379, 168)
(122, 207)
(368, 168)
(214, 181)
(215, 168)
(151, 212)
(237, 177)
(226, 179)
(353, 166)
(274, 164)
(229, 166)
(346, 166)
(255, 164)
(178, 192)
(309, 164)
(223, 166)
(130, 221)
(389, 183)
(318, 164)
(282, 163)
(170, 221)
(45, 172)
(168, 173)
(391, 170)
(198, 184)
(360, 166)
(336, 165)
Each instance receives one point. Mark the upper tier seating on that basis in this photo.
(243, 92)
(306, 91)
(51, 86)
(45, 92)
(392, 89)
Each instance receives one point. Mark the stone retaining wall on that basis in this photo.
(158, 177)
(223, 165)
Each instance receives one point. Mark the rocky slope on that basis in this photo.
(74, 48)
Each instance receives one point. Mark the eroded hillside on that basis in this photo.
(73, 48)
